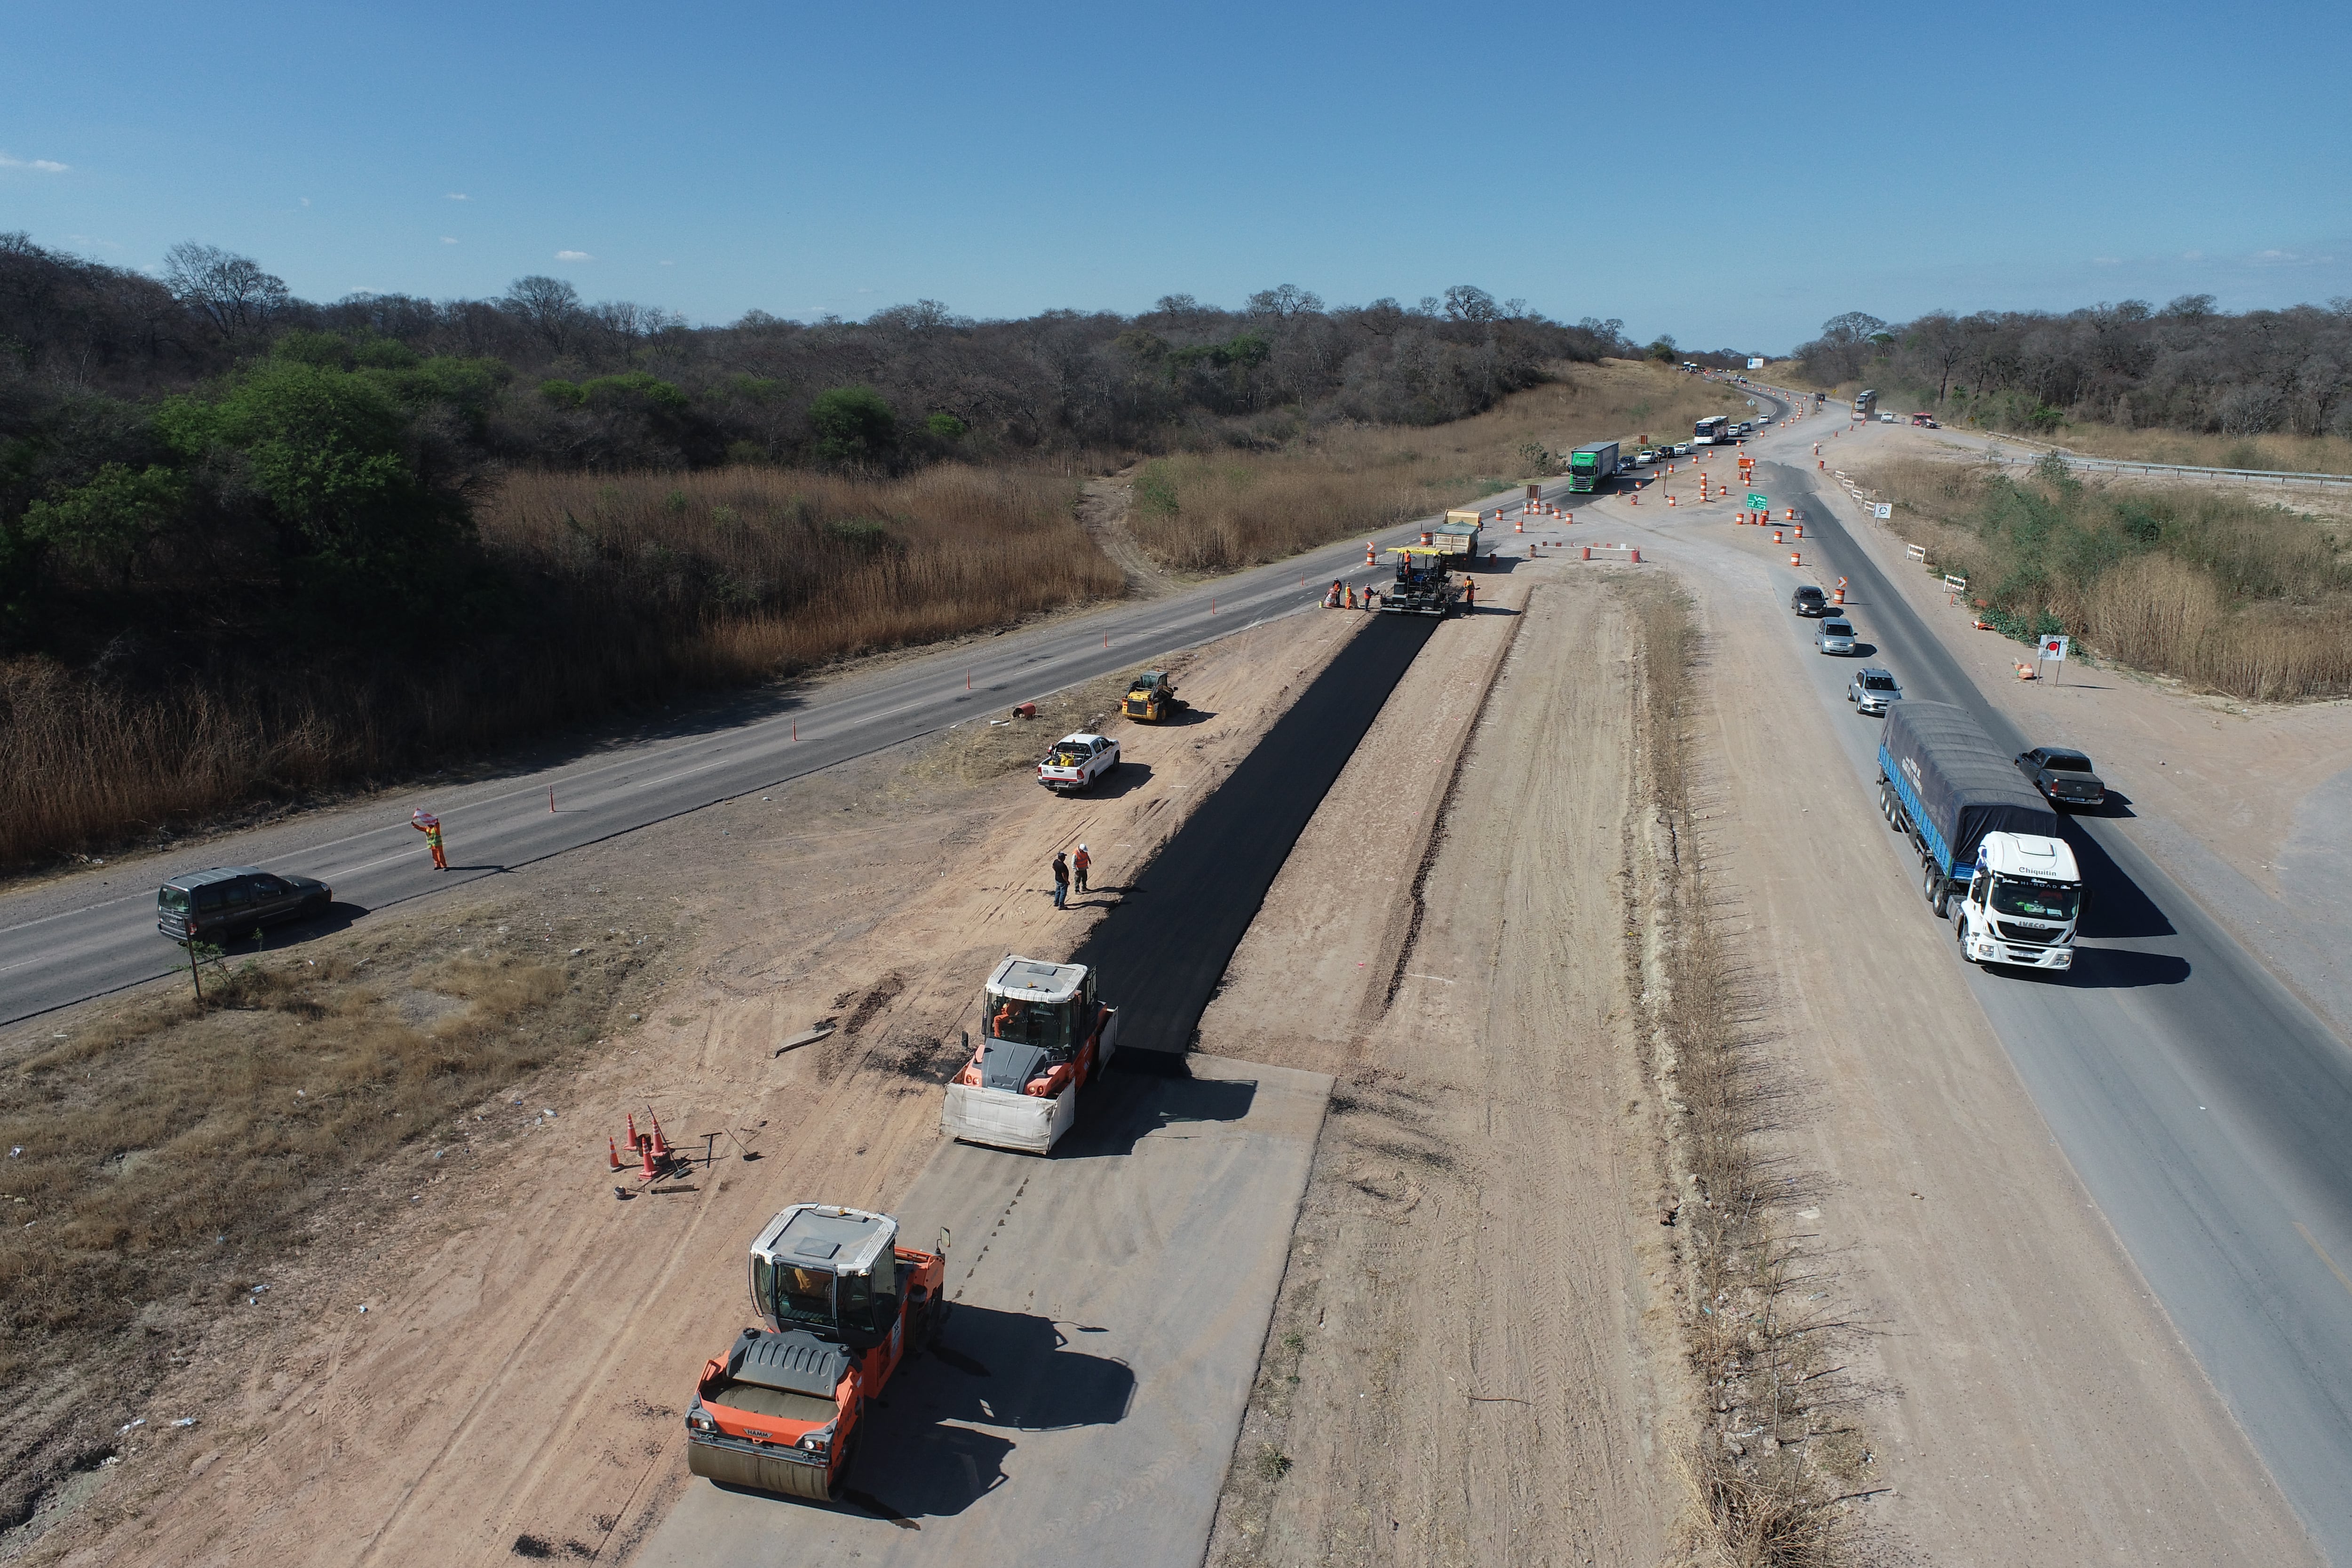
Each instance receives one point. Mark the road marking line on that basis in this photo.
(2340, 1278)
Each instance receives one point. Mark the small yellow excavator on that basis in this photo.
(1150, 697)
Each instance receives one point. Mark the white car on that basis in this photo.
(1835, 636)
(1078, 760)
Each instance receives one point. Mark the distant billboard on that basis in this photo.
(1755, 364)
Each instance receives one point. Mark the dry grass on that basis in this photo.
(173, 1154)
(2229, 592)
(626, 588)
(1777, 1459)
(1219, 511)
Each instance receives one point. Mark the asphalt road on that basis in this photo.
(1111, 1305)
(2205, 1107)
(93, 933)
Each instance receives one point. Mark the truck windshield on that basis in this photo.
(2035, 900)
(1582, 461)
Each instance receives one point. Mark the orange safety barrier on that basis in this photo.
(1776, 537)
(1370, 559)
(1793, 561)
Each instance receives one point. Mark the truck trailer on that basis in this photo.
(1991, 858)
(1588, 466)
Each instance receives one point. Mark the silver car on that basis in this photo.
(1834, 636)
(1872, 690)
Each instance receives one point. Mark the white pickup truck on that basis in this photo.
(1078, 760)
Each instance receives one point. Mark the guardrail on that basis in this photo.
(2124, 466)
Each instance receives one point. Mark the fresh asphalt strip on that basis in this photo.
(1163, 947)
(1111, 1299)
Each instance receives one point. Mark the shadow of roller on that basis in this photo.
(1162, 952)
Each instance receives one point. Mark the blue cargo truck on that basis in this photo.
(1991, 856)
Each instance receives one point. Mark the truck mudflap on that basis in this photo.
(765, 1467)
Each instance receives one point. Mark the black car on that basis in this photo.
(231, 901)
(1810, 600)
(2063, 777)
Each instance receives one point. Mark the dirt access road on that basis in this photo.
(1474, 1358)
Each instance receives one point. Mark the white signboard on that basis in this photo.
(1755, 364)
(2054, 649)
(1884, 509)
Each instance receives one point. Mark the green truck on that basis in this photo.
(1588, 466)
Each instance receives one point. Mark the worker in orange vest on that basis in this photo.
(427, 824)
(1470, 594)
(1079, 862)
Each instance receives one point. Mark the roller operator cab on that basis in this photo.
(1044, 1035)
(840, 1306)
(2022, 903)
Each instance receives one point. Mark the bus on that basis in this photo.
(1865, 403)
(1710, 430)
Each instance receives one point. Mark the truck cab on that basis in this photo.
(2023, 903)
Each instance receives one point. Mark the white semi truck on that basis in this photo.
(1991, 856)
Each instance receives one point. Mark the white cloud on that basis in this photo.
(448, 239)
(574, 256)
(669, 264)
(38, 165)
(306, 201)
(2106, 261)
(457, 196)
(2192, 255)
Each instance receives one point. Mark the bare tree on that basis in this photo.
(230, 290)
(548, 306)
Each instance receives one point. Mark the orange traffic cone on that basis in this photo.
(614, 1150)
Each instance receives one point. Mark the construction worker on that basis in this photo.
(427, 824)
(1470, 594)
(1079, 862)
(1061, 880)
(1371, 597)
(1004, 1018)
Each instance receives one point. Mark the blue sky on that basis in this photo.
(1730, 174)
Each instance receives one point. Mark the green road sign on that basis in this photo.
(1758, 503)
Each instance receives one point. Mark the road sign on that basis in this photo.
(1884, 509)
(2054, 649)
(1758, 503)
(1754, 363)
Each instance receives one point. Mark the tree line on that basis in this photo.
(2186, 366)
(203, 432)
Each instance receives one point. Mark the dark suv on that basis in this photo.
(1810, 600)
(2063, 777)
(231, 901)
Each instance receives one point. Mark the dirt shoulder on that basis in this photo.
(1469, 1360)
(516, 1378)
